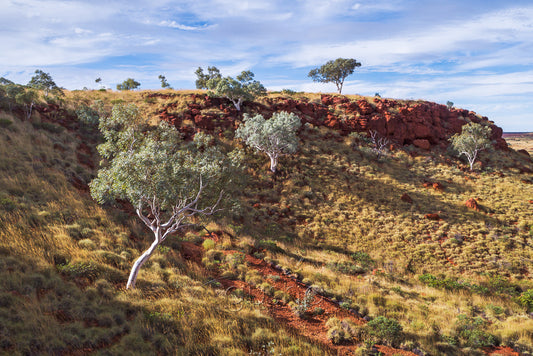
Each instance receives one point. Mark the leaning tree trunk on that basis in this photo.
(273, 163)
(139, 262)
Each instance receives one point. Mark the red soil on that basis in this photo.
(313, 327)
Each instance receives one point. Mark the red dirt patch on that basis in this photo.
(314, 327)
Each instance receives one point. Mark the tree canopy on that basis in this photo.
(237, 90)
(334, 71)
(167, 180)
(202, 78)
(164, 82)
(275, 137)
(473, 139)
(128, 84)
(43, 81)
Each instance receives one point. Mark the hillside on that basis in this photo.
(374, 237)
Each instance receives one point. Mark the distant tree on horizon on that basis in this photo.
(128, 84)
(164, 83)
(334, 71)
(43, 81)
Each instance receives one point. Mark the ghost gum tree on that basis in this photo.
(275, 137)
(473, 139)
(237, 90)
(167, 180)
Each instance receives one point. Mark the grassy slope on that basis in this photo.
(64, 259)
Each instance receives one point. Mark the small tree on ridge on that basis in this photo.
(473, 139)
(334, 71)
(237, 90)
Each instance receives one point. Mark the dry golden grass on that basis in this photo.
(330, 201)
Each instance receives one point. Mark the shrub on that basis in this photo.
(345, 267)
(87, 244)
(5, 123)
(526, 299)
(470, 332)
(208, 244)
(300, 306)
(282, 296)
(87, 270)
(386, 330)
(267, 288)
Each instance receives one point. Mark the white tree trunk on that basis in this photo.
(139, 262)
(237, 104)
(273, 162)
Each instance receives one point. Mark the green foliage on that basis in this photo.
(90, 115)
(237, 90)
(473, 138)
(27, 98)
(449, 105)
(43, 81)
(385, 330)
(203, 79)
(208, 244)
(526, 299)
(363, 259)
(301, 305)
(445, 283)
(164, 83)
(87, 270)
(128, 84)
(334, 71)
(5, 123)
(470, 332)
(159, 174)
(275, 137)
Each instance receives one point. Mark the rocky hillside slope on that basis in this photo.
(420, 123)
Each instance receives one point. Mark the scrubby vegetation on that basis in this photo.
(332, 220)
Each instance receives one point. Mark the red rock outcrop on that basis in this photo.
(472, 204)
(419, 123)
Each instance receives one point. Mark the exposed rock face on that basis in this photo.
(420, 123)
(472, 204)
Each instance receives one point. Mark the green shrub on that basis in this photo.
(526, 299)
(87, 270)
(5, 123)
(385, 330)
(208, 244)
(470, 331)
(300, 306)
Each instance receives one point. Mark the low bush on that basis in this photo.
(470, 330)
(385, 330)
(526, 299)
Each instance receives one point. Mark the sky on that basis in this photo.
(477, 54)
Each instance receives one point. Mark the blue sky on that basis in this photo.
(475, 53)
